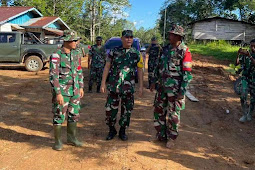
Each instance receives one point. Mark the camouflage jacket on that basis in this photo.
(66, 75)
(123, 69)
(173, 70)
(247, 67)
(79, 51)
(154, 53)
(98, 56)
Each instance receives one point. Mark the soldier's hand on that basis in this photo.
(152, 87)
(60, 99)
(81, 93)
(102, 88)
(179, 96)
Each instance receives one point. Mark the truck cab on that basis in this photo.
(25, 49)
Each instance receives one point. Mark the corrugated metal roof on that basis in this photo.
(8, 13)
(43, 21)
(211, 18)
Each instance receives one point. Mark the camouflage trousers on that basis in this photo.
(112, 105)
(247, 88)
(70, 108)
(151, 67)
(96, 75)
(166, 105)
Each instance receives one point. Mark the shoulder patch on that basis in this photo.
(55, 55)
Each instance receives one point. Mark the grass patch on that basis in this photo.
(221, 50)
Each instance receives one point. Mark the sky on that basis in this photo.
(144, 13)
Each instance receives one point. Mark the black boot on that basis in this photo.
(111, 133)
(122, 134)
(98, 89)
(57, 134)
(90, 89)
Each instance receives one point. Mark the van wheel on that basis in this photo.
(33, 63)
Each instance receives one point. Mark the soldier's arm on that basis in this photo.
(140, 71)
(148, 49)
(107, 67)
(186, 68)
(106, 72)
(89, 58)
(83, 52)
(54, 72)
(80, 75)
(238, 57)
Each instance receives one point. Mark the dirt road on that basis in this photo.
(209, 137)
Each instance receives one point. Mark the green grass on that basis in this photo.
(221, 50)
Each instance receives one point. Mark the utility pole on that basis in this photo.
(164, 39)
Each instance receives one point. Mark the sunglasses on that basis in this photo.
(131, 37)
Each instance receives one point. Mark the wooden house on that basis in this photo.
(29, 19)
(218, 28)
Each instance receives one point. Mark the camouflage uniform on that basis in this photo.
(121, 84)
(80, 51)
(154, 53)
(173, 76)
(66, 78)
(98, 56)
(248, 86)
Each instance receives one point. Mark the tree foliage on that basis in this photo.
(89, 18)
(146, 35)
(183, 12)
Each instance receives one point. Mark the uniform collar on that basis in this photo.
(63, 51)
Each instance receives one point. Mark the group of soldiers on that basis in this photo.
(169, 71)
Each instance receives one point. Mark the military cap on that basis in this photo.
(178, 30)
(70, 35)
(127, 33)
(99, 38)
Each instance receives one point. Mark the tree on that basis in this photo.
(5, 2)
(67, 10)
(146, 35)
(183, 12)
(103, 10)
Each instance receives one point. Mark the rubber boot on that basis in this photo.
(57, 134)
(90, 89)
(112, 133)
(243, 119)
(122, 134)
(72, 135)
(98, 89)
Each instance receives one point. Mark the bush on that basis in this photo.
(219, 49)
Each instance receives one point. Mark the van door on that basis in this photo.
(9, 47)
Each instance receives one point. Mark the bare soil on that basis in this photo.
(209, 137)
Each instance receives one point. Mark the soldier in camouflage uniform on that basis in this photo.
(96, 62)
(154, 51)
(173, 76)
(80, 49)
(122, 61)
(66, 79)
(247, 61)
